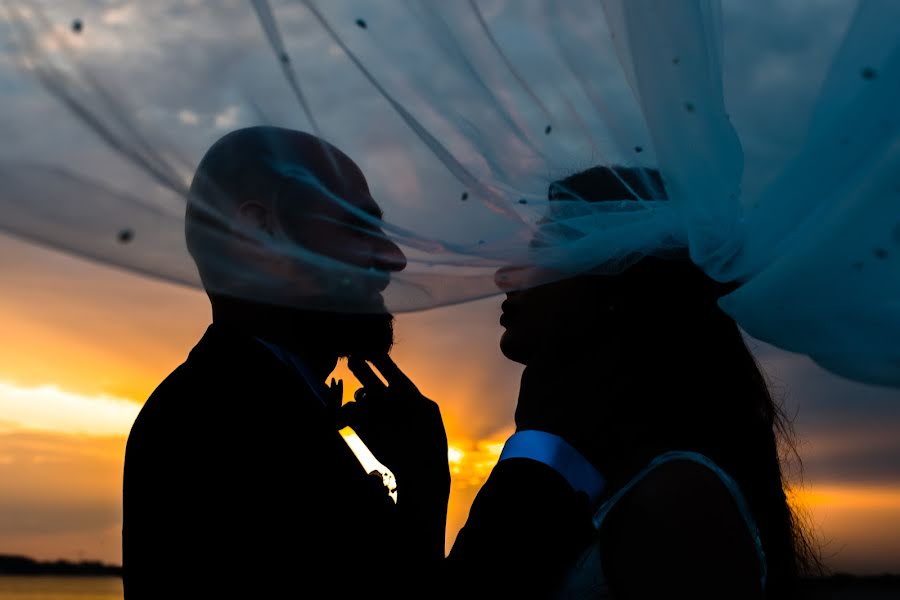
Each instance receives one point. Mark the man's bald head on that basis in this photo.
(249, 165)
(269, 188)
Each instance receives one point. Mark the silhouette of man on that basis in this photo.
(237, 480)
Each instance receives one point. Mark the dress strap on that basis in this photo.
(696, 457)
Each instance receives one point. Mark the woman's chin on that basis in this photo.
(514, 347)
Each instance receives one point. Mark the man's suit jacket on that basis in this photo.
(237, 482)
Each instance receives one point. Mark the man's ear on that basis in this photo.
(255, 216)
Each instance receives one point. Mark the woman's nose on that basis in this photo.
(389, 256)
(511, 278)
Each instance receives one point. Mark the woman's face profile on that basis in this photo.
(550, 321)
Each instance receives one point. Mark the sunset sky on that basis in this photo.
(83, 345)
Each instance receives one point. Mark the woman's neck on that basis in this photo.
(615, 436)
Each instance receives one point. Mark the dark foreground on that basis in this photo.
(23, 565)
(22, 577)
(841, 587)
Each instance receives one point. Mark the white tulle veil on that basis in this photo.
(460, 115)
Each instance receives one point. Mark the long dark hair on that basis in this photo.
(707, 393)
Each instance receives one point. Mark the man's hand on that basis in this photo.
(401, 427)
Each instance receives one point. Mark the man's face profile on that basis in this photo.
(335, 223)
(345, 257)
(284, 219)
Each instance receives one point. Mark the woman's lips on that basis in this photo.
(507, 311)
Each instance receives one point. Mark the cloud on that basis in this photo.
(57, 482)
(118, 15)
(48, 408)
(226, 119)
(847, 431)
(188, 117)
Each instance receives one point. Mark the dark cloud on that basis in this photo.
(54, 483)
(846, 431)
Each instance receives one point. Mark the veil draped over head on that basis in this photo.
(460, 115)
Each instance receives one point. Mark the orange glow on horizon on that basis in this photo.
(855, 526)
(89, 356)
(73, 480)
(857, 497)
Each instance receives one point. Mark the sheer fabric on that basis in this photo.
(460, 115)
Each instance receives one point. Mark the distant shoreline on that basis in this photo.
(885, 580)
(11, 564)
(16, 565)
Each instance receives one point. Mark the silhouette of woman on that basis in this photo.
(648, 379)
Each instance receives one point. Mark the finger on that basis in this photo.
(357, 417)
(350, 413)
(391, 372)
(339, 392)
(364, 373)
